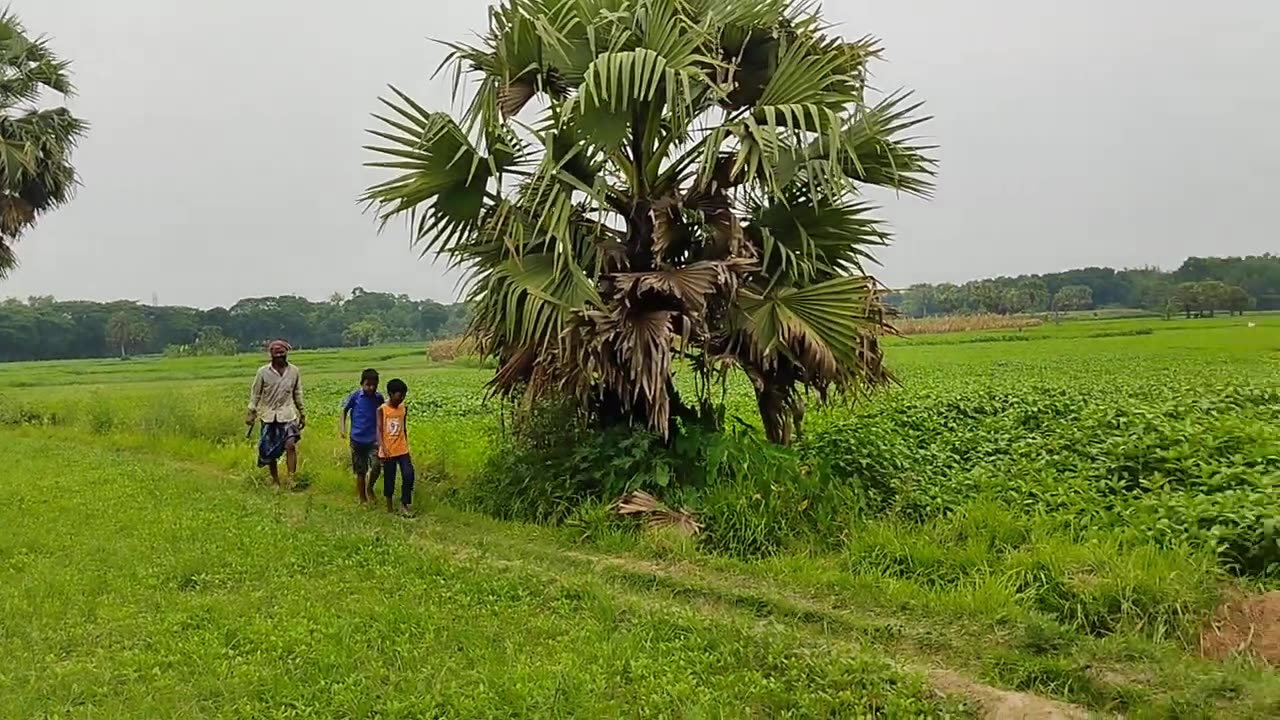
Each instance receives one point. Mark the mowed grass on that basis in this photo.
(138, 587)
(159, 516)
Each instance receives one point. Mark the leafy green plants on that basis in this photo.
(1054, 516)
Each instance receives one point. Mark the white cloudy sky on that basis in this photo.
(225, 152)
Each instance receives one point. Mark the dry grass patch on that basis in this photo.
(964, 323)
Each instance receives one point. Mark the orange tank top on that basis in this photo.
(394, 440)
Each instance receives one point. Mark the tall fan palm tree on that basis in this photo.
(36, 174)
(637, 183)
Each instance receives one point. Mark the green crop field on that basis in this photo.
(1055, 511)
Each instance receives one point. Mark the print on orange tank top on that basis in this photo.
(394, 440)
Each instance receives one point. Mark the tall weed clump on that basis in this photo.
(751, 497)
(548, 461)
(756, 498)
(990, 558)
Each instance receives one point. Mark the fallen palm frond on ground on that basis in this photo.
(655, 514)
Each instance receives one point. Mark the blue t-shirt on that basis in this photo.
(364, 415)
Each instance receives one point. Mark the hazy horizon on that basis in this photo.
(224, 158)
(160, 302)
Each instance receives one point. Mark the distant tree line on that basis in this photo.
(42, 328)
(1199, 287)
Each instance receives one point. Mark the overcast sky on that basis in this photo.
(224, 157)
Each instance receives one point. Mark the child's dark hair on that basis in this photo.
(396, 385)
(369, 375)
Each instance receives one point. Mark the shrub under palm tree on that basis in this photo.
(639, 183)
(36, 174)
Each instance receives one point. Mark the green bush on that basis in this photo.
(549, 461)
(757, 499)
(752, 497)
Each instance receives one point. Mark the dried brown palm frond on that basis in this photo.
(629, 350)
(668, 229)
(627, 354)
(657, 515)
(688, 288)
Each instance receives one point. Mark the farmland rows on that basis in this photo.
(1057, 517)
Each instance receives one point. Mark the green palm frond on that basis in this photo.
(823, 329)
(440, 166)
(802, 240)
(36, 173)
(528, 301)
(873, 150)
(27, 65)
(814, 72)
(35, 156)
(621, 88)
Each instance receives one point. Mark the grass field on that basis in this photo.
(1054, 511)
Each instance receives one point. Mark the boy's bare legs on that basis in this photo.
(373, 480)
(360, 488)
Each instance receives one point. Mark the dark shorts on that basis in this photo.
(364, 457)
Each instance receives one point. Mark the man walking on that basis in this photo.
(276, 399)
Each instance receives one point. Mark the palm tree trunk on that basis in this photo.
(797, 417)
(775, 416)
(610, 411)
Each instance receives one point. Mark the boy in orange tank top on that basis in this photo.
(393, 447)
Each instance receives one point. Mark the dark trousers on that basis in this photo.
(402, 465)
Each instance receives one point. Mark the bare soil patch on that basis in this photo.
(997, 704)
(1244, 624)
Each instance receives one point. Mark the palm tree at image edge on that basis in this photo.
(35, 143)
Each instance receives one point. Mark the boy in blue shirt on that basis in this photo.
(362, 405)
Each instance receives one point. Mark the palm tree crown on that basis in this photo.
(35, 143)
(639, 183)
